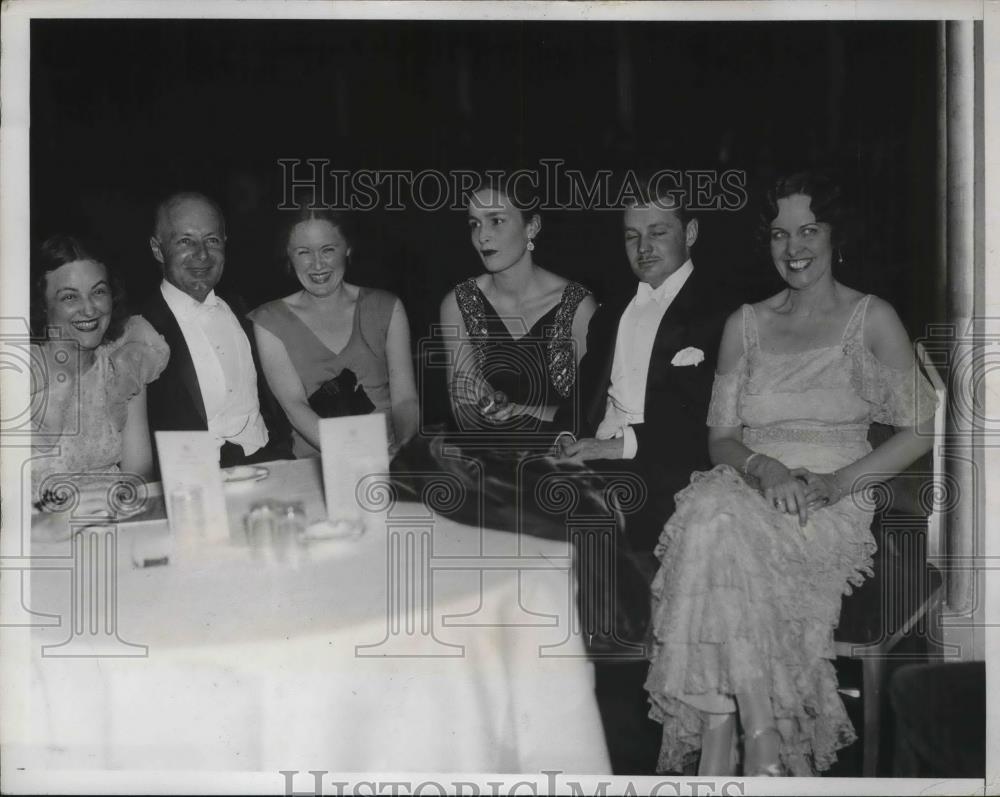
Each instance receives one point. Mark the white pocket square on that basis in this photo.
(688, 356)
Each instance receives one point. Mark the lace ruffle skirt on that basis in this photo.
(745, 596)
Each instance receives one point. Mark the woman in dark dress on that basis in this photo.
(521, 330)
(515, 336)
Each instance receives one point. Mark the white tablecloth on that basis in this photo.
(395, 652)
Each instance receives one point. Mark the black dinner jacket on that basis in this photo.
(673, 439)
(174, 401)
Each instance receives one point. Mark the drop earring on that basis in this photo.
(531, 245)
(840, 257)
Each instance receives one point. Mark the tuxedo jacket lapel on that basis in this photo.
(670, 335)
(606, 325)
(180, 356)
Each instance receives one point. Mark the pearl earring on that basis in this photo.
(531, 245)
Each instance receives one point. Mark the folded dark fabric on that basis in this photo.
(340, 396)
(527, 492)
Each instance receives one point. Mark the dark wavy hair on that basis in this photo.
(55, 252)
(826, 201)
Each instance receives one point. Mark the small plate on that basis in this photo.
(244, 473)
(333, 530)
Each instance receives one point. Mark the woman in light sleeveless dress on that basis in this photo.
(760, 549)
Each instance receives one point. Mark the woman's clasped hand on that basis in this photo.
(796, 491)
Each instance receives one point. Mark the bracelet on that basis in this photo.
(748, 460)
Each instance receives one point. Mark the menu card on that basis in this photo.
(352, 448)
(192, 487)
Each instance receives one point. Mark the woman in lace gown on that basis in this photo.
(521, 330)
(760, 549)
(90, 374)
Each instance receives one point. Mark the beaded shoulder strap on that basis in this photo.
(561, 354)
(470, 303)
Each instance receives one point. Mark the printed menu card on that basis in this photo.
(352, 447)
(192, 487)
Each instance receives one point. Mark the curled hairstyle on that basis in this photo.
(55, 252)
(826, 201)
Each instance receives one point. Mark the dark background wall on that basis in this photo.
(124, 111)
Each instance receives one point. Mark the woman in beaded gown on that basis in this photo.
(521, 330)
(760, 549)
(515, 336)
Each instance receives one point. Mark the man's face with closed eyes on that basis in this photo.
(656, 242)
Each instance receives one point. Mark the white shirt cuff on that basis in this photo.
(631, 443)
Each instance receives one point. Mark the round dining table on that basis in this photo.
(422, 645)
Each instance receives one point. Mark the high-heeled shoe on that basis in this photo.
(761, 769)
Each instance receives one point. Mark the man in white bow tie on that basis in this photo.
(647, 375)
(213, 380)
(645, 384)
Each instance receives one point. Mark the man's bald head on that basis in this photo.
(162, 216)
(189, 242)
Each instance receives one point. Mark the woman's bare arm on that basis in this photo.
(402, 385)
(137, 453)
(286, 384)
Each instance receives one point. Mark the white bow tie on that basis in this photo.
(210, 304)
(645, 294)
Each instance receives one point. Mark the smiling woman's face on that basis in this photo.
(801, 247)
(78, 302)
(318, 252)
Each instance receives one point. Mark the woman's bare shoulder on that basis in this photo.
(879, 309)
(292, 300)
(449, 304)
(883, 322)
(849, 296)
(767, 307)
(550, 279)
(551, 286)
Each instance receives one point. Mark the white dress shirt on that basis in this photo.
(223, 362)
(633, 347)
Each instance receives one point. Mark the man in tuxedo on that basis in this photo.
(646, 379)
(645, 385)
(213, 380)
